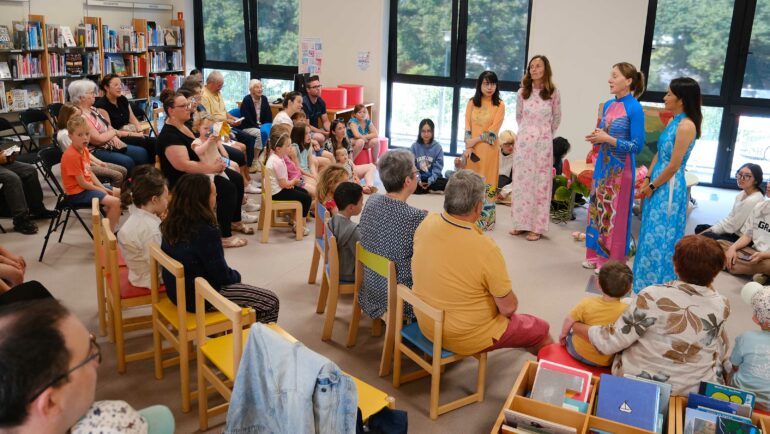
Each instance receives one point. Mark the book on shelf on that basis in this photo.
(67, 37)
(91, 63)
(5, 71)
(27, 35)
(57, 93)
(109, 39)
(152, 33)
(3, 100)
(20, 41)
(113, 63)
(629, 401)
(727, 393)
(665, 393)
(553, 387)
(25, 66)
(695, 400)
(585, 377)
(34, 95)
(527, 423)
(73, 63)
(56, 65)
(5, 39)
(19, 100)
(162, 61)
(160, 82)
(87, 35)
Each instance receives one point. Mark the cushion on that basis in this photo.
(414, 336)
(558, 354)
(127, 290)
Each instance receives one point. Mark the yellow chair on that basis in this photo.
(439, 357)
(318, 244)
(175, 324)
(370, 399)
(122, 295)
(99, 265)
(387, 269)
(331, 285)
(224, 352)
(270, 206)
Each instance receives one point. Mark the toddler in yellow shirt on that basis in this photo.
(615, 279)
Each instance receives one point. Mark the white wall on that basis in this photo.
(345, 28)
(583, 39)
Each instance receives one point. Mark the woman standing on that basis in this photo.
(538, 113)
(665, 212)
(620, 137)
(484, 116)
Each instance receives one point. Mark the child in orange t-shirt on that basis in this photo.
(80, 185)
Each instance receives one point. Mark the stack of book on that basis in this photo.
(109, 40)
(73, 63)
(719, 409)
(136, 65)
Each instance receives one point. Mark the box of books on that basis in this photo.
(719, 409)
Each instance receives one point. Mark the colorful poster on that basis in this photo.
(311, 56)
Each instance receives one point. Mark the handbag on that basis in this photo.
(114, 144)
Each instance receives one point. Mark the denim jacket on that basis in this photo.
(283, 387)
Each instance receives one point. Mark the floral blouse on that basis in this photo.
(672, 333)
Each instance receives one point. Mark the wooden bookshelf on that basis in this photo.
(39, 55)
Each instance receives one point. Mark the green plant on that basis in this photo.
(564, 192)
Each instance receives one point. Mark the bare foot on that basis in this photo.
(515, 232)
(533, 236)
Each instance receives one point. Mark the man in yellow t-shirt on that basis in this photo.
(458, 269)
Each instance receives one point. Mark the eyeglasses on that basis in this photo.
(740, 175)
(318, 86)
(94, 353)
(182, 106)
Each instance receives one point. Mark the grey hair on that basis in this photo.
(463, 192)
(394, 167)
(78, 88)
(253, 82)
(214, 76)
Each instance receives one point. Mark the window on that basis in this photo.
(224, 36)
(275, 88)
(277, 31)
(235, 88)
(438, 49)
(725, 46)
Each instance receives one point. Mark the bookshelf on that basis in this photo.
(24, 81)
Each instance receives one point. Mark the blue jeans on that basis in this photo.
(85, 196)
(572, 352)
(134, 156)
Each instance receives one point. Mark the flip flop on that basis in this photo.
(533, 236)
(242, 228)
(233, 242)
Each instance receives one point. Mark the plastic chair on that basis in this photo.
(50, 157)
(270, 206)
(439, 357)
(236, 112)
(175, 324)
(387, 269)
(331, 285)
(223, 352)
(122, 295)
(318, 243)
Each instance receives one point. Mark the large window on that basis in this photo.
(441, 46)
(247, 39)
(725, 46)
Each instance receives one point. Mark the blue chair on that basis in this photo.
(439, 357)
(236, 112)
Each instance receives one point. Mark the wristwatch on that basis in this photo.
(652, 186)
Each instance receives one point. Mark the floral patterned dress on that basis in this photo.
(664, 216)
(672, 333)
(538, 119)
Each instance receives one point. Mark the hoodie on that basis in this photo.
(429, 160)
(347, 235)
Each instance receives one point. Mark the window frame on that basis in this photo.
(456, 79)
(729, 98)
(252, 64)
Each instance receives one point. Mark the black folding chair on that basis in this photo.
(49, 157)
(35, 116)
(141, 116)
(28, 157)
(53, 110)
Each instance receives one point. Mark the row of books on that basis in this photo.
(161, 61)
(125, 66)
(59, 36)
(127, 40)
(27, 35)
(22, 98)
(20, 66)
(164, 36)
(88, 35)
(160, 82)
(57, 93)
(720, 409)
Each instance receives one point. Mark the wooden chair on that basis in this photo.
(270, 206)
(175, 324)
(387, 269)
(438, 356)
(318, 243)
(331, 285)
(99, 265)
(223, 352)
(121, 296)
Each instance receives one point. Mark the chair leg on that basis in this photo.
(397, 362)
(83, 223)
(376, 327)
(48, 234)
(184, 373)
(203, 397)
(482, 376)
(331, 310)
(323, 294)
(300, 225)
(435, 383)
(110, 322)
(120, 343)
(266, 224)
(64, 225)
(354, 320)
(386, 360)
(314, 265)
(157, 347)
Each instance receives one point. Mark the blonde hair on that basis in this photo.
(76, 123)
(198, 118)
(328, 179)
(507, 136)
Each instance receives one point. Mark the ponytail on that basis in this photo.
(628, 70)
(140, 186)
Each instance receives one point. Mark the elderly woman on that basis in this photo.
(117, 109)
(106, 142)
(672, 332)
(387, 228)
(256, 113)
(177, 158)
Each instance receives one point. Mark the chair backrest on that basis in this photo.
(109, 251)
(404, 294)
(380, 265)
(54, 108)
(156, 112)
(267, 187)
(157, 256)
(320, 219)
(49, 157)
(31, 116)
(235, 112)
(205, 293)
(332, 256)
(5, 124)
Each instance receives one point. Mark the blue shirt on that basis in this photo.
(751, 356)
(313, 111)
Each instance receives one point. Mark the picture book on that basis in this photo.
(34, 95)
(583, 394)
(3, 100)
(116, 64)
(628, 401)
(69, 39)
(575, 405)
(5, 71)
(726, 393)
(5, 38)
(726, 415)
(19, 100)
(526, 422)
(553, 386)
(665, 391)
(729, 426)
(699, 422)
(695, 400)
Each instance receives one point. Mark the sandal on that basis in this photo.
(233, 242)
(532, 236)
(242, 228)
(515, 232)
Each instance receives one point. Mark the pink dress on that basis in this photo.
(533, 161)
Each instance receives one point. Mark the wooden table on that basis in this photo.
(343, 113)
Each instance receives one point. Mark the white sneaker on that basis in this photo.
(251, 206)
(248, 218)
(589, 265)
(252, 189)
(305, 230)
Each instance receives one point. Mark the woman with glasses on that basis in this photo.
(749, 179)
(106, 143)
(664, 215)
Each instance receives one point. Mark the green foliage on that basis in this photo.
(223, 30)
(277, 31)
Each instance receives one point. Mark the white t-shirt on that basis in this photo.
(282, 118)
(758, 226)
(506, 164)
(277, 171)
(134, 238)
(734, 221)
(63, 137)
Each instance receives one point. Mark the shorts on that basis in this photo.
(573, 352)
(85, 196)
(523, 331)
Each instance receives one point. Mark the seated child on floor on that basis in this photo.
(615, 279)
(341, 154)
(751, 353)
(350, 201)
(80, 185)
